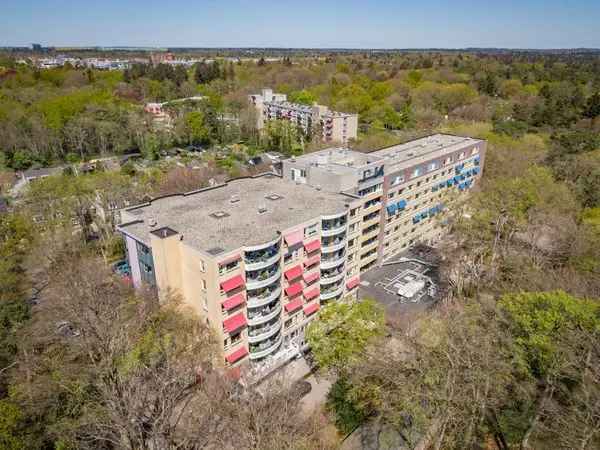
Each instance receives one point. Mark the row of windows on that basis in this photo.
(434, 165)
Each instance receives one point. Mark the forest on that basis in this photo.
(508, 359)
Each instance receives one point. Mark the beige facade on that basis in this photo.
(258, 297)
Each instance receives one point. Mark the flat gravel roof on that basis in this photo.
(235, 214)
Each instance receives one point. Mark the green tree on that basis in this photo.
(195, 127)
(592, 107)
(304, 97)
(540, 321)
(343, 331)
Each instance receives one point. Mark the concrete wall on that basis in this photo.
(134, 262)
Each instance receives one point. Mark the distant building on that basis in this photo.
(335, 127)
(163, 57)
(30, 175)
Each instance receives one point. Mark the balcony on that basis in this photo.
(333, 245)
(264, 315)
(332, 276)
(264, 332)
(260, 262)
(333, 292)
(268, 246)
(265, 349)
(334, 216)
(335, 260)
(264, 298)
(333, 229)
(264, 278)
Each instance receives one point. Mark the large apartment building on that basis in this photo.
(334, 127)
(257, 257)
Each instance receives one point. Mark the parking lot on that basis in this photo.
(406, 284)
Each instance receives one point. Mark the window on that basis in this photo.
(205, 304)
(448, 160)
(474, 151)
(391, 194)
(461, 155)
(397, 180)
(310, 230)
(416, 172)
(203, 284)
(353, 212)
(202, 266)
(432, 167)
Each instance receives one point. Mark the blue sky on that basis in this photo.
(303, 23)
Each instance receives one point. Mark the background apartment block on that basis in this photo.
(335, 127)
(257, 257)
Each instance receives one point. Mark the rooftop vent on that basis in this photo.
(215, 250)
(273, 196)
(262, 209)
(234, 198)
(164, 232)
(317, 187)
(219, 215)
(152, 222)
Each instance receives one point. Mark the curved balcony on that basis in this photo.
(335, 230)
(334, 216)
(261, 353)
(261, 262)
(263, 333)
(333, 246)
(336, 260)
(332, 278)
(328, 295)
(265, 246)
(263, 280)
(257, 319)
(265, 299)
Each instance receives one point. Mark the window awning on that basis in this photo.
(391, 209)
(294, 305)
(237, 355)
(401, 204)
(234, 323)
(352, 282)
(234, 301)
(313, 260)
(293, 290)
(293, 273)
(312, 308)
(312, 245)
(309, 278)
(230, 259)
(312, 293)
(294, 237)
(232, 283)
